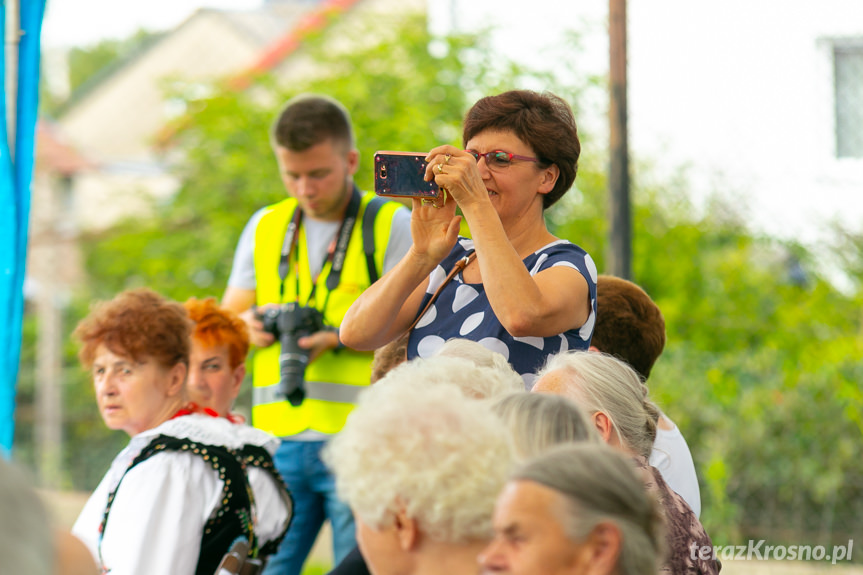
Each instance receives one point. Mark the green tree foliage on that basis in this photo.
(761, 369)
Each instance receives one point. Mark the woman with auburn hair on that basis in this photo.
(513, 286)
(220, 343)
(178, 496)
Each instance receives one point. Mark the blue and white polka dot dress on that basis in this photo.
(462, 310)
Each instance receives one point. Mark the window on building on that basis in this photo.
(848, 74)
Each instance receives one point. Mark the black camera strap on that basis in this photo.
(335, 254)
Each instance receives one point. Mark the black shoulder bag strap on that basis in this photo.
(371, 213)
(342, 239)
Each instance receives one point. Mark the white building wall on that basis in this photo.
(739, 91)
(743, 90)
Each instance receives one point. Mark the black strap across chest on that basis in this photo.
(369, 216)
(335, 254)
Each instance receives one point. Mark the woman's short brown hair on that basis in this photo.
(138, 324)
(543, 121)
(629, 325)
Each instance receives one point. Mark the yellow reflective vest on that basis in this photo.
(335, 378)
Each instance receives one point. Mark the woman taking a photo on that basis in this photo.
(523, 292)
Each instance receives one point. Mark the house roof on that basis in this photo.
(309, 22)
(102, 76)
(55, 155)
(306, 22)
(261, 28)
(268, 23)
(277, 28)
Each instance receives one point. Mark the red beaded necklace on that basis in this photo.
(193, 407)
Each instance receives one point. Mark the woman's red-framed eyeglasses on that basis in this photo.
(499, 159)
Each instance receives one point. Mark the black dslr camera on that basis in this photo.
(288, 323)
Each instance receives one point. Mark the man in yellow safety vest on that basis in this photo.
(298, 267)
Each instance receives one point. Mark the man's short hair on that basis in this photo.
(310, 119)
(628, 324)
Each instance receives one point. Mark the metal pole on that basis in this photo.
(13, 38)
(620, 244)
(49, 393)
(47, 271)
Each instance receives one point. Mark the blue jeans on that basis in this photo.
(314, 491)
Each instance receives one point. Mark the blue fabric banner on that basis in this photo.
(15, 180)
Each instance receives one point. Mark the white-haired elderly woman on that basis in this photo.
(617, 401)
(420, 466)
(393, 354)
(577, 509)
(467, 365)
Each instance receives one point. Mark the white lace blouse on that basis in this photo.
(159, 511)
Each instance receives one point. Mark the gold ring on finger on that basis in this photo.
(442, 199)
(446, 158)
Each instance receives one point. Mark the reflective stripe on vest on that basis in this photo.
(314, 390)
(333, 380)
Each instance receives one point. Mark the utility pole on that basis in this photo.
(620, 244)
(13, 38)
(49, 391)
(47, 270)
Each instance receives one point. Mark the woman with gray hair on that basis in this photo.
(576, 509)
(539, 421)
(420, 465)
(614, 397)
(609, 391)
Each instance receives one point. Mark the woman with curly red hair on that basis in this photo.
(179, 495)
(220, 343)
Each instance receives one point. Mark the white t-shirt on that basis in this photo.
(160, 509)
(671, 456)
